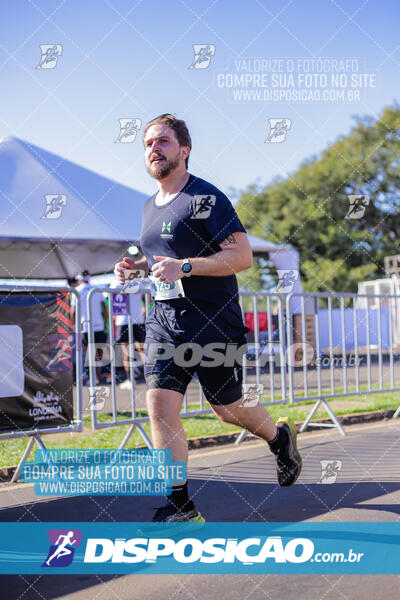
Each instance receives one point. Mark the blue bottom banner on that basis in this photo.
(150, 548)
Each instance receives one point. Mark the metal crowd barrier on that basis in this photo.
(330, 333)
(34, 434)
(276, 372)
(362, 322)
(266, 350)
(135, 421)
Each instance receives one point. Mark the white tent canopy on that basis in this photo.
(99, 221)
(260, 246)
(93, 222)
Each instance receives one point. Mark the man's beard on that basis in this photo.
(161, 170)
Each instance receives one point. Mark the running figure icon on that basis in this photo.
(62, 549)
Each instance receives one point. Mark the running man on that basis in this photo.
(192, 257)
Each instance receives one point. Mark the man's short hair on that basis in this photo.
(177, 125)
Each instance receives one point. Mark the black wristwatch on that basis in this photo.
(187, 267)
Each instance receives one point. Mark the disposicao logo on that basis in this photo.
(62, 547)
(190, 550)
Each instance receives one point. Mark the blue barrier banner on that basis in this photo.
(103, 472)
(192, 548)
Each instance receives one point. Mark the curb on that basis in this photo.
(6, 473)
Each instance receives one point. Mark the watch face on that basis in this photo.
(186, 267)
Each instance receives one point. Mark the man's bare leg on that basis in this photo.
(166, 427)
(167, 432)
(253, 418)
(281, 439)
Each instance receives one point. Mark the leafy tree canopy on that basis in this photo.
(307, 210)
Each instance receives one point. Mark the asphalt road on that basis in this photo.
(237, 483)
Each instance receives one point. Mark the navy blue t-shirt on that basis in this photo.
(193, 224)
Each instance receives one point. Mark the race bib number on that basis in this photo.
(160, 290)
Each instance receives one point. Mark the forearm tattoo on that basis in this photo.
(230, 241)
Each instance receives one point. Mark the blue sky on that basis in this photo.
(125, 59)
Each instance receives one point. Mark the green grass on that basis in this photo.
(11, 449)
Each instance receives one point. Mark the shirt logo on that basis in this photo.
(166, 230)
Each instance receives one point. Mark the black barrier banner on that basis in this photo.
(36, 347)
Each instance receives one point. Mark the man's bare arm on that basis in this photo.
(236, 255)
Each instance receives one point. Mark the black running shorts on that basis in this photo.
(171, 367)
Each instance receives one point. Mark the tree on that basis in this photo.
(307, 210)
